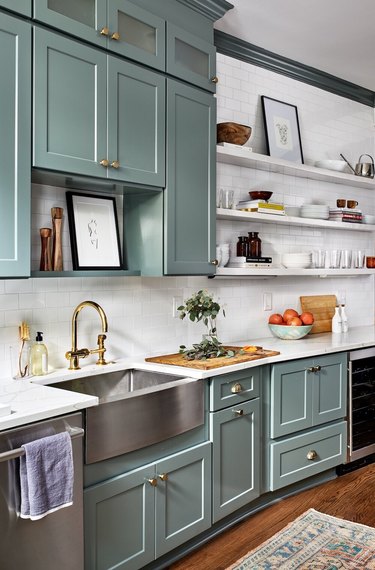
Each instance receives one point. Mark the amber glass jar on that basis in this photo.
(255, 245)
(242, 246)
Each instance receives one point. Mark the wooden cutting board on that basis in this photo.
(323, 309)
(179, 360)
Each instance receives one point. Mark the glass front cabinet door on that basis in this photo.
(117, 25)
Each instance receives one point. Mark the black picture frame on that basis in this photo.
(282, 130)
(94, 233)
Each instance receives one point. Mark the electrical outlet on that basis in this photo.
(267, 301)
(177, 302)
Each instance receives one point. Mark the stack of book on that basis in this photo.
(345, 215)
(261, 206)
(258, 261)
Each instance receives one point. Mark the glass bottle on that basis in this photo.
(255, 245)
(242, 246)
(336, 321)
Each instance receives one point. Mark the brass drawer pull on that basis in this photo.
(214, 79)
(104, 163)
(153, 481)
(311, 455)
(238, 412)
(115, 164)
(163, 476)
(104, 32)
(314, 369)
(214, 262)
(236, 388)
(115, 36)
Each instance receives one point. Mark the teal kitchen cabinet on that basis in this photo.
(189, 209)
(96, 115)
(190, 58)
(307, 393)
(305, 410)
(20, 6)
(235, 436)
(117, 25)
(15, 167)
(136, 517)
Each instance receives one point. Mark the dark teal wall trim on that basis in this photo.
(212, 9)
(239, 49)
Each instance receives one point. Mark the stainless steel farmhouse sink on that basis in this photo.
(136, 408)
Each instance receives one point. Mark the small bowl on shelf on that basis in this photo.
(233, 133)
(260, 195)
(286, 332)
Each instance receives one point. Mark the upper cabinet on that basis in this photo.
(117, 25)
(191, 58)
(189, 222)
(96, 115)
(15, 120)
(19, 6)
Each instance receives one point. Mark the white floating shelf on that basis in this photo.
(255, 273)
(239, 216)
(240, 157)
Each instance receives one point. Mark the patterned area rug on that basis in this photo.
(314, 541)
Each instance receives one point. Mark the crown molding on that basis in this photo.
(240, 49)
(212, 9)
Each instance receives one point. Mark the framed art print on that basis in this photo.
(93, 229)
(282, 130)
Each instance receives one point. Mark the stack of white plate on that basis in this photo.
(296, 260)
(368, 219)
(239, 262)
(319, 211)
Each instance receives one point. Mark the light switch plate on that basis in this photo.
(177, 302)
(267, 301)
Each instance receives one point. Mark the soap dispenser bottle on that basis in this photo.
(38, 356)
(344, 320)
(336, 321)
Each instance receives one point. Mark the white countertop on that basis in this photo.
(31, 400)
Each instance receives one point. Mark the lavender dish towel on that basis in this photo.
(46, 476)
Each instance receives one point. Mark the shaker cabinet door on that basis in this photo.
(15, 134)
(19, 6)
(69, 105)
(190, 230)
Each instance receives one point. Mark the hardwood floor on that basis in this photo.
(349, 497)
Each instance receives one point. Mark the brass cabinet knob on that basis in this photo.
(236, 388)
(311, 455)
(238, 412)
(215, 79)
(115, 164)
(104, 32)
(318, 368)
(314, 369)
(115, 36)
(214, 262)
(153, 481)
(163, 476)
(104, 163)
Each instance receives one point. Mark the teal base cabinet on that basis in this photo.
(20, 6)
(15, 165)
(235, 436)
(305, 410)
(190, 238)
(134, 518)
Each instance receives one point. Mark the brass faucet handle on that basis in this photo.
(100, 350)
(79, 353)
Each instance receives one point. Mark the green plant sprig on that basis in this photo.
(207, 348)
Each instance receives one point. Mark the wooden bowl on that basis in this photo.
(233, 133)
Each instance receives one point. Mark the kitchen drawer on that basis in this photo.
(235, 388)
(289, 461)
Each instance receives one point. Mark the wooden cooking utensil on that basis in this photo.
(45, 254)
(57, 258)
(323, 309)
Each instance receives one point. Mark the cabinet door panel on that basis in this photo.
(119, 522)
(15, 120)
(183, 503)
(330, 388)
(70, 105)
(191, 171)
(136, 123)
(235, 433)
(291, 397)
(20, 6)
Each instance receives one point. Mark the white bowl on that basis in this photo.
(338, 165)
(293, 211)
(368, 219)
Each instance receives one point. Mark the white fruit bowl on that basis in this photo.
(286, 332)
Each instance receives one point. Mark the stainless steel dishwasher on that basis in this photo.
(56, 541)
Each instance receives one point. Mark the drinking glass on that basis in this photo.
(226, 199)
(319, 258)
(358, 259)
(335, 258)
(346, 259)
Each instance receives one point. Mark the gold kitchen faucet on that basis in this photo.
(76, 353)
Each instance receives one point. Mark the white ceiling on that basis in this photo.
(335, 36)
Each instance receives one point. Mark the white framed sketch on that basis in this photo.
(93, 229)
(282, 130)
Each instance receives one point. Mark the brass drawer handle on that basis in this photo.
(104, 163)
(314, 369)
(238, 412)
(214, 262)
(318, 368)
(236, 388)
(115, 36)
(311, 455)
(104, 32)
(163, 477)
(153, 481)
(214, 79)
(115, 164)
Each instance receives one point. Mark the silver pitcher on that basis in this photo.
(365, 168)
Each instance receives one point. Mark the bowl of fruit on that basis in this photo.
(291, 325)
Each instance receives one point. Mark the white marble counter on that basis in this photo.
(31, 400)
